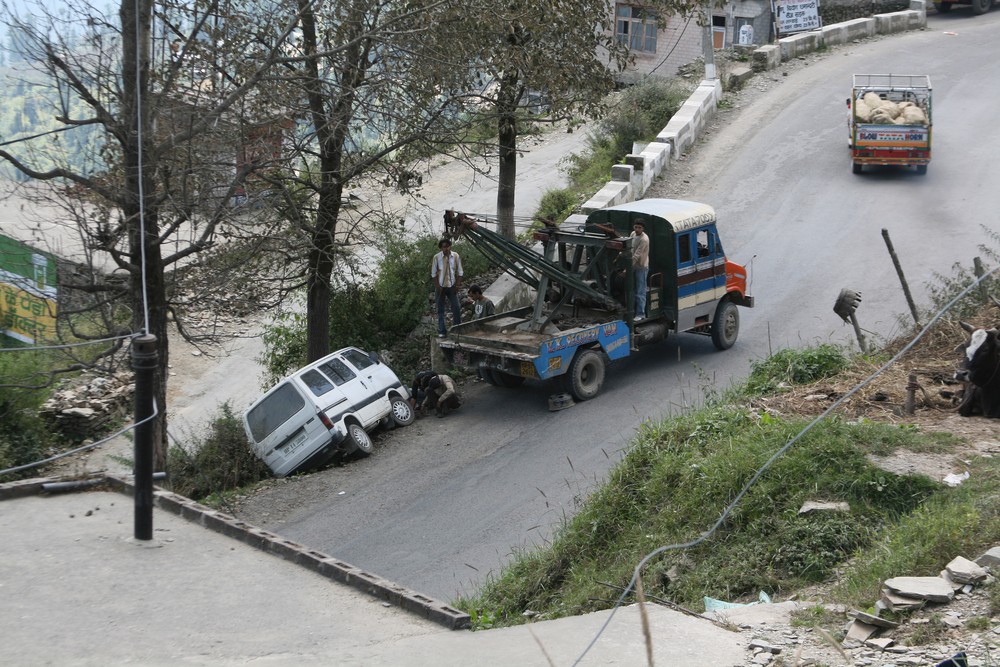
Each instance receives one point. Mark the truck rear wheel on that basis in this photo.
(486, 373)
(981, 6)
(586, 375)
(507, 380)
(726, 325)
(943, 7)
(921, 169)
(857, 168)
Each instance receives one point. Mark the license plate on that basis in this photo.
(293, 445)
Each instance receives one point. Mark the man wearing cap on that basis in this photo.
(446, 272)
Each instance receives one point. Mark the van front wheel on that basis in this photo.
(361, 442)
(402, 414)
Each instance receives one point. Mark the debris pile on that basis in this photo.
(89, 406)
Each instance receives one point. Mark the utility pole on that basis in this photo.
(708, 45)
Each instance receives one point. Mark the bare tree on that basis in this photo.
(170, 89)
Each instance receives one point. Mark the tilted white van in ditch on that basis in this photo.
(326, 409)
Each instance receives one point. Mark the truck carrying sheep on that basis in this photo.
(890, 120)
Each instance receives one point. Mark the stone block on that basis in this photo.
(766, 58)
(796, 45)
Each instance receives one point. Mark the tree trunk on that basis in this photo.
(147, 284)
(331, 134)
(507, 100)
(322, 261)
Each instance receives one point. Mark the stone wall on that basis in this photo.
(837, 11)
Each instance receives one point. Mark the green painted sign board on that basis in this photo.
(27, 293)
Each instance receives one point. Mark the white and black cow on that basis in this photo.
(980, 371)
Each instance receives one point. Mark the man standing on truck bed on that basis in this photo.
(640, 265)
(446, 272)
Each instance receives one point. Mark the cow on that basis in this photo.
(979, 370)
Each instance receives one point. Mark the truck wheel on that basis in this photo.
(726, 325)
(402, 414)
(981, 6)
(942, 7)
(360, 441)
(921, 169)
(586, 375)
(507, 380)
(857, 168)
(486, 373)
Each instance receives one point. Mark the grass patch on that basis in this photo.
(679, 474)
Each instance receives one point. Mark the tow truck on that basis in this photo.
(583, 315)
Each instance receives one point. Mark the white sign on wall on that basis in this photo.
(796, 15)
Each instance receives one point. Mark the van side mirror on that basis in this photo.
(374, 357)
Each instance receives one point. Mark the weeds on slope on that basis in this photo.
(679, 475)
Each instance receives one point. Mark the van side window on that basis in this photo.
(683, 248)
(338, 371)
(318, 383)
(359, 359)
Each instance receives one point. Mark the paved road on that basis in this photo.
(441, 505)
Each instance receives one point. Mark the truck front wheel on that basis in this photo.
(981, 6)
(726, 325)
(943, 7)
(586, 375)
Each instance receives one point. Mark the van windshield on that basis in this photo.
(358, 358)
(273, 411)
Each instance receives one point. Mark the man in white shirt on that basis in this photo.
(446, 272)
(640, 265)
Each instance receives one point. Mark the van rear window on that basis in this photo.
(274, 411)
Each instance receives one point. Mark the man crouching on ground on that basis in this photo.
(442, 394)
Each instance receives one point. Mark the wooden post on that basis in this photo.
(977, 267)
(911, 388)
(902, 278)
(857, 332)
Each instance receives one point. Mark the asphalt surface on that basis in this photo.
(79, 589)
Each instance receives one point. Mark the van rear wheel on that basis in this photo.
(361, 442)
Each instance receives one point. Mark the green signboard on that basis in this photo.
(27, 292)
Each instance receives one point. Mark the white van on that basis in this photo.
(326, 409)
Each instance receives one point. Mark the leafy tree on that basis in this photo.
(377, 84)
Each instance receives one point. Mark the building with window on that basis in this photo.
(662, 50)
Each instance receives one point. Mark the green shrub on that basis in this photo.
(557, 204)
(376, 314)
(219, 461)
(795, 366)
(24, 437)
(641, 112)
